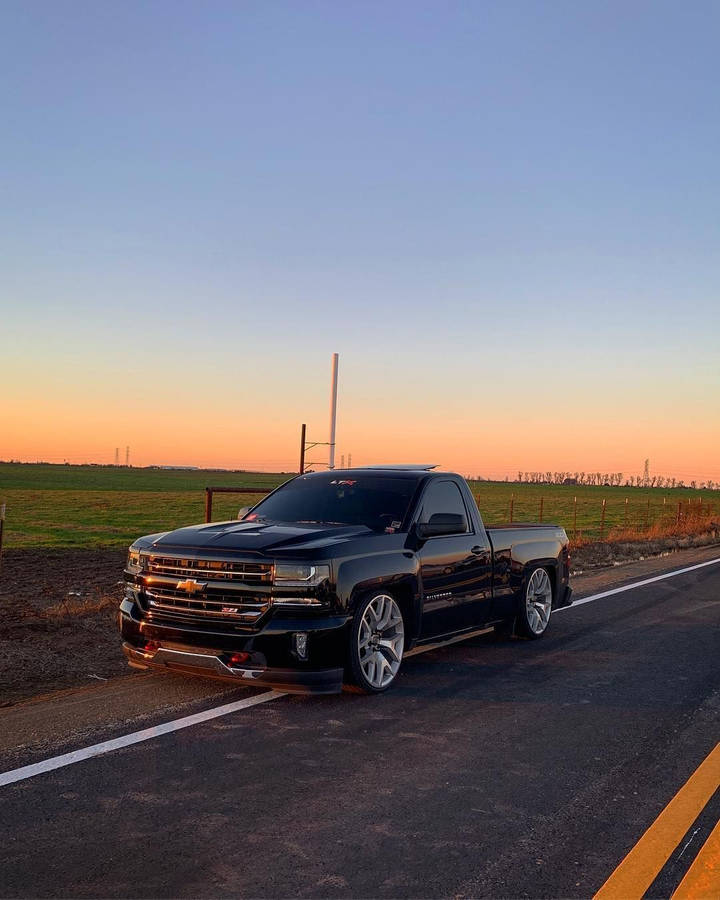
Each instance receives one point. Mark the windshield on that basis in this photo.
(379, 502)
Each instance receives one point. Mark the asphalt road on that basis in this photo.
(494, 768)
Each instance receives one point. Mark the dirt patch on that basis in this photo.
(38, 580)
(57, 620)
(600, 554)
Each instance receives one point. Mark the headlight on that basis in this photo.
(288, 575)
(136, 562)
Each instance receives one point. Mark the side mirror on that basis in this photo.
(440, 524)
(243, 511)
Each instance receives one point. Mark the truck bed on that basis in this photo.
(524, 541)
(506, 525)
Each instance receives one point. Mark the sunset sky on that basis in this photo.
(503, 215)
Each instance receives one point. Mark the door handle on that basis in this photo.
(477, 550)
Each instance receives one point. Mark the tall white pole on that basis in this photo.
(333, 409)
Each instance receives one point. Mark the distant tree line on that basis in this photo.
(612, 479)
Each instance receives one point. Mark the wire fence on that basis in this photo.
(614, 517)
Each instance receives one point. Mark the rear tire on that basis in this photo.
(377, 641)
(535, 604)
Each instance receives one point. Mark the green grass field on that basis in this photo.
(104, 506)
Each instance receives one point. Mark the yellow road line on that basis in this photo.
(640, 867)
(702, 879)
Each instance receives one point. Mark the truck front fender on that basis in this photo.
(396, 572)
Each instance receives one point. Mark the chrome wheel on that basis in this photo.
(538, 601)
(380, 641)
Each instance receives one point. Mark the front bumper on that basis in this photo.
(264, 658)
(193, 662)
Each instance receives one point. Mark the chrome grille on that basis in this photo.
(211, 569)
(236, 608)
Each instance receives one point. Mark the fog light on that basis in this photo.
(301, 644)
(237, 659)
(151, 646)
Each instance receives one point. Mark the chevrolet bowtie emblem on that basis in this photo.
(191, 586)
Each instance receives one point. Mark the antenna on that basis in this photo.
(333, 410)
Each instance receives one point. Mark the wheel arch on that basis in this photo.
(405, 591)
(394, 573)
(550, 564)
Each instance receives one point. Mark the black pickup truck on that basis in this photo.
(335, 575)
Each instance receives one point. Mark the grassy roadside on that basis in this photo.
(104, 506)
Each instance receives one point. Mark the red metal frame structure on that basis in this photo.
(209, 491)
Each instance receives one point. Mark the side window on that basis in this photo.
(442, 497)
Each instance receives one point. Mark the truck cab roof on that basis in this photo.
(391, 471)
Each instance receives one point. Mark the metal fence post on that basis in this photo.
(626, 512)
(647, 515)
(208, 504)
(574, 517)
(542, 501)
(2, 527)
(602, 520)
(512, 503)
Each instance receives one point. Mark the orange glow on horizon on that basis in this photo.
(273, 445)
(211, 418)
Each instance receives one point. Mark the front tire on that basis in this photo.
(535, 604)
(377, 641)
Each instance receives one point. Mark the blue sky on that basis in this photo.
(474, 203)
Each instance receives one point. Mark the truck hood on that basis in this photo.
(256, 537)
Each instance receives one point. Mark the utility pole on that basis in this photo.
(306, 445)
(127, 457)
(646, 474)
(302, 448)
(117, 456)
(349, 460)
(333, 410)
(342, 460)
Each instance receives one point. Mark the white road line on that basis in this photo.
(636, 584)
(67, 759)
